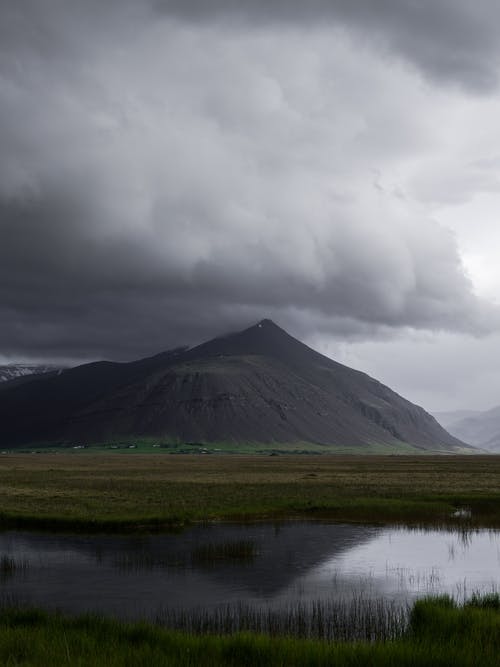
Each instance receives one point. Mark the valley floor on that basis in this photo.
(156, 491)
(159, 491)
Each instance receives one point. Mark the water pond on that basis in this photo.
(237, 568)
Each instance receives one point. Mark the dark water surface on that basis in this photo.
(258, 564)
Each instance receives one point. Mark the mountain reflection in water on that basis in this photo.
(259, 564)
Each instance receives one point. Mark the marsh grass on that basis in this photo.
(353, 619)
(439, 633)
(144, 560)
(11, 566)
(213, 553)
(485, 601)
(210, 554)
(120, 492)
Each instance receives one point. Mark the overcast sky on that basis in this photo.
(173, 170)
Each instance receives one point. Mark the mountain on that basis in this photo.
(481, 429)
(447, 419)
(12, 371)
(259, 385)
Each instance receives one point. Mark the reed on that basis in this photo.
(354, 619)
(11, 566)
(440, 633)
(212, 553)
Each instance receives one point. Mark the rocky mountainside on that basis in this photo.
(259, 385)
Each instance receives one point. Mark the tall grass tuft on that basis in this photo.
(486, 601)
(441, 633)
(205, 555)
(10, 566)
(214, 552)
(356, 619)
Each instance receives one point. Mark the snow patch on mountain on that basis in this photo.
(11, 371)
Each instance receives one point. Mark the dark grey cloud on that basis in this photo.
(163, 180)
(451, 40)
(66, 291)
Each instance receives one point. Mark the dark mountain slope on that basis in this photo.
(259, 385)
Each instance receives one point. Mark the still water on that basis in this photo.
(257, 564)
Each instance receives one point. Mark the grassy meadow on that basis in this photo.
(439, 633)
(146, 491)
(155, 491)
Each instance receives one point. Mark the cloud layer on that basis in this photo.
(449, 40)
(168, 173)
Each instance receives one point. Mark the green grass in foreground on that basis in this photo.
(143, 492)
(440, 634)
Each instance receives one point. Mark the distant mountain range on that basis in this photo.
(481, 429)
(259, 385)
(11, 371)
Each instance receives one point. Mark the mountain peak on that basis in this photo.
(259, 385)
(266, 326)
(263, 338)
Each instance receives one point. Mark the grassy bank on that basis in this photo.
(139, 446)
(108, 492)
(439, 634)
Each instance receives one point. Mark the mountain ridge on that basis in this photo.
(257, 385)
(10, 372)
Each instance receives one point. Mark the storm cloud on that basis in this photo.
(450, 40)
(172, 170)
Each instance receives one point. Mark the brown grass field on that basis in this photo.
(122, 491)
